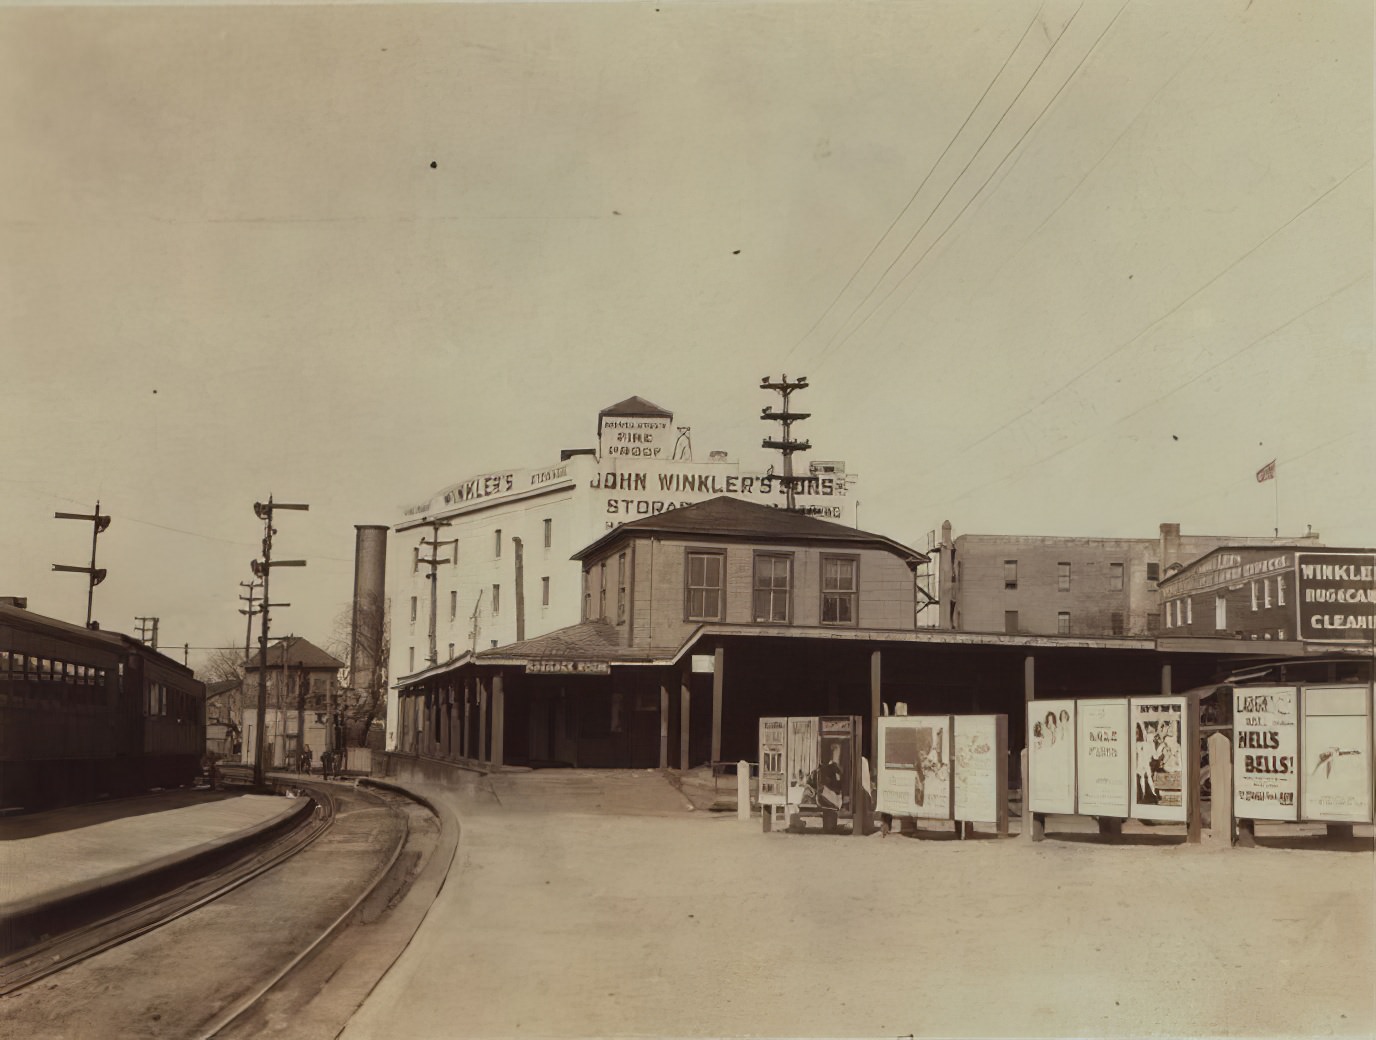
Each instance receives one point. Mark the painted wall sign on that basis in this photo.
(981, 744)
(553, 667)
(1051, 756)
(635, 437)
(1158, 764)
(1266, 764)
(1336, 754)
(636, 489)
(773, 746)
(1104, 759)
(1336, 596)
(801, 761)
(915, 766)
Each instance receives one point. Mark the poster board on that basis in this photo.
(981, 758)
(1104, 758)
(1336, 754)
(914, 766)
(800, 757)
(835, 762)
(1158, 763)
(1051, 756)
(1266, 770)
(773, 745)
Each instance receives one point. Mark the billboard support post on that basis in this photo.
(1193, 809)
(1221, 790)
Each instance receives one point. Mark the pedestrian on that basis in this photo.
(306, 757)
(326, 761)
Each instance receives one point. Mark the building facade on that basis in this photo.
(1073, 586)
(302, 688)
(504, 539)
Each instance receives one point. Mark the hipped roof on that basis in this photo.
(300, 653)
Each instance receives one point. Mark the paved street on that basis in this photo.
(643, 917)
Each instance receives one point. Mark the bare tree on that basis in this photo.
(367, 651)
(222, 665)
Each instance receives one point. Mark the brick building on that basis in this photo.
(1035, 585)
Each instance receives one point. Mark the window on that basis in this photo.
(549, 533)
(1170, 615)
(413, 610)
(839, 589)
(1115, 622)
(1254, 595)
(587, 596)
(1280, 592)
(602, 591)
(1266, 591)
(1220, 612)
(453, 604)
(1153, 572)
(1063, 623)
(1153, 624)
(544, 592)
(496, 600)
(1189, 612)
(497, 543)
(1010, 574)
(621, 589)
(1010, 622)
(451, 651)
(410, 658)
(772, 592)
(704, 587)
(1115, 577)
(1063, 577)
(415, 560)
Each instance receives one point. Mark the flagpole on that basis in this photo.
(1276, 481)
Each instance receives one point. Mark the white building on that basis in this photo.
(541, 516)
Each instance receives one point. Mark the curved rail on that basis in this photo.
(47, 958)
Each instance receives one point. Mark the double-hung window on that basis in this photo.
(839, 590)
(773, 587)
(704, 586)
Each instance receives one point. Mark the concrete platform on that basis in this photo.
(57, 868)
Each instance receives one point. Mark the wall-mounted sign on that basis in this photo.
(1158, 763)
(1337, 754)
(1336, 596)
(555, 667)
(704, 663)
(1104, 759)
(773, 745)
(915, 766)
(635, 437)
(980, 756)
(801, 760)
(1051, 756)
(1266, 752)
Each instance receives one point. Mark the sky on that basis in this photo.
(1051, 268)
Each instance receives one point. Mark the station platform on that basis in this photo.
(69, 857)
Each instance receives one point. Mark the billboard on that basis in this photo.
(1266, 753)
(1337, 754)
(773, 780)
(915, 766)
(801, 761)
(1050, 757)
(1104, 761)
(836, 762)
(1158, 763)
(980, 748)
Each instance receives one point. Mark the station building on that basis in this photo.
(506, 537)
(695, 623)
(1033, 585)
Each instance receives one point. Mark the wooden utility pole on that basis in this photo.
(262, 569)
(785, 444)
(434, 561)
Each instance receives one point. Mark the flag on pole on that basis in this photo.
(1267, 472)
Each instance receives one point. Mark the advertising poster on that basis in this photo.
(1266, 753)
(1051, 756)
(1337, 754)
(1158, 763)
(800, 758)
(773, 741)
(977, 755)
(1104, 759)
(914, 766)
(836, 746)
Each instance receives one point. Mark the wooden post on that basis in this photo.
(664, 720)
(482, 719)
(685, 714)
(876, 704)
(1029, 678)
(498, 720)
(717, 668)
(1001, 774)
(1193, 808)
(466, 734)
(1221, 790)
(1165, 680)
(743, 790)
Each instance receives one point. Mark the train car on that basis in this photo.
(88, 714)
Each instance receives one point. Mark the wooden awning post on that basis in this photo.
(718, 661)
(498, 719)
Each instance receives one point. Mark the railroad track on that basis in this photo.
(46, 958)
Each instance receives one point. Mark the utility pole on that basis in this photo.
(148, 631)
(250, 613)
(434, 561)
(786, 419)
(97, 575)
(262, 569)
(473, 622)
(520, 590)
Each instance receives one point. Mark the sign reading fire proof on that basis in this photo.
(1266, 757)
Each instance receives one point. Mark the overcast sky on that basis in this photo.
(1051, 268)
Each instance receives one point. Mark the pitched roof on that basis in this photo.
(300, 653)
(733, 518)
(587, 641)
(220, 688)
(635, 406)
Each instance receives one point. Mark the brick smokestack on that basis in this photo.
(366, 630)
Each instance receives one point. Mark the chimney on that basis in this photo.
(1170, 545)
(946, 587)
